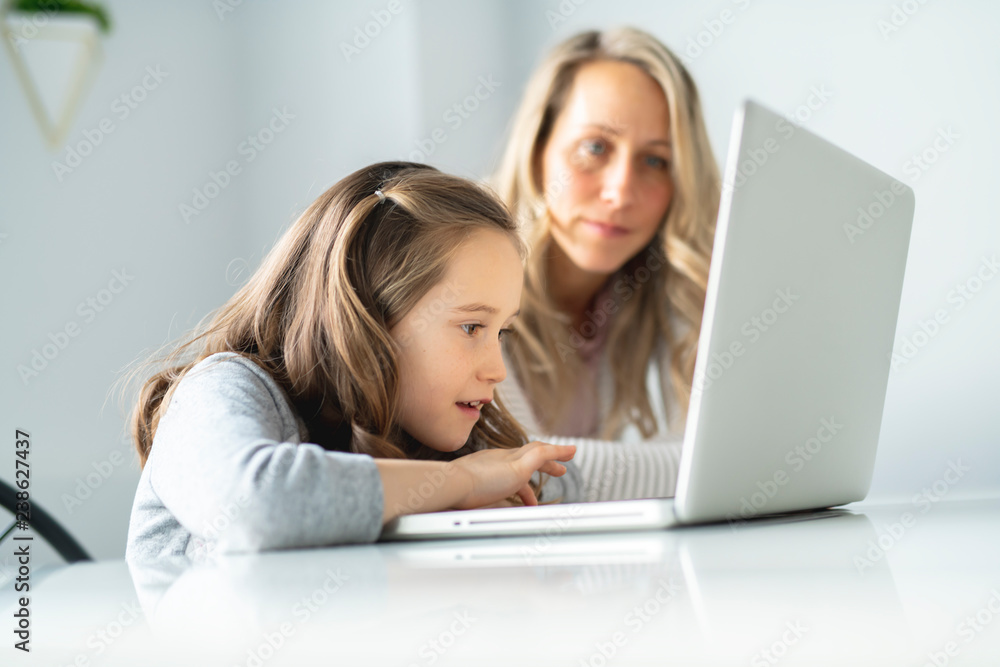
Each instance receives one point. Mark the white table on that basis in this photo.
(875, 585)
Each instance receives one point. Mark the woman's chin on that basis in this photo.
(600, 263)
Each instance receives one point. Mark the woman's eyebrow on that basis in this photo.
(617, 132)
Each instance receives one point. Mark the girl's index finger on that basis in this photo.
(553, 468)
(566, 452)
(527, 495)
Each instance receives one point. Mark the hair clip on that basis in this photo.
(381, 197)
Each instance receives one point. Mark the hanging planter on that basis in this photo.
(55, 50)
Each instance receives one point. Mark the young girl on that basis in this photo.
(349, 382)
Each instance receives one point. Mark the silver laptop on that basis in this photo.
(794, 352)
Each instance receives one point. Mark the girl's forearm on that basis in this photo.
(410, 487)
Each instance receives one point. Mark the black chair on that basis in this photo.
(44, 525)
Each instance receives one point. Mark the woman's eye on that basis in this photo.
(471, 328)
(656, 162)
(594, 147)
(503, 333)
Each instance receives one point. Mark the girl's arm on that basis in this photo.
(228, 466)
(468, 482)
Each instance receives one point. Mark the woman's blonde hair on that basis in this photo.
(316, 315)
(684, 240)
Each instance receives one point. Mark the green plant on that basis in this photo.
(66, 6)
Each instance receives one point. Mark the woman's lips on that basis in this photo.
(605, 230)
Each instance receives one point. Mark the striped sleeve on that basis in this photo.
(605, 470)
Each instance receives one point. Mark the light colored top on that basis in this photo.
(582, 418)
(629, 466)
(231, 468)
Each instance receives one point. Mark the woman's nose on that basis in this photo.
(617, 188)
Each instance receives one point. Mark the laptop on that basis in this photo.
(794, 351)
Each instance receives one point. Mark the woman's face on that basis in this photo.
(605, 168)
(450, 360)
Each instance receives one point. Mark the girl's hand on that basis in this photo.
(495, 474)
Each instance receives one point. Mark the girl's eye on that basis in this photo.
(471, 328)
(503, 333)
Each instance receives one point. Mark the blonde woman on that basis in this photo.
(349, 382)
(610, 173)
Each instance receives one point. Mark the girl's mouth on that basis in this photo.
(470, 408)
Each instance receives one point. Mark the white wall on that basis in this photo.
(119, 208)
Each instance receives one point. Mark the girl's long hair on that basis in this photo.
(316, 314)
(675, 291)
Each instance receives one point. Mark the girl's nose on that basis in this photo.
(492, 369)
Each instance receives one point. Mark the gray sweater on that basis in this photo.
(231, 469)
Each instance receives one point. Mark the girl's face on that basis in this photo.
(450, 358)
(605, 168)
